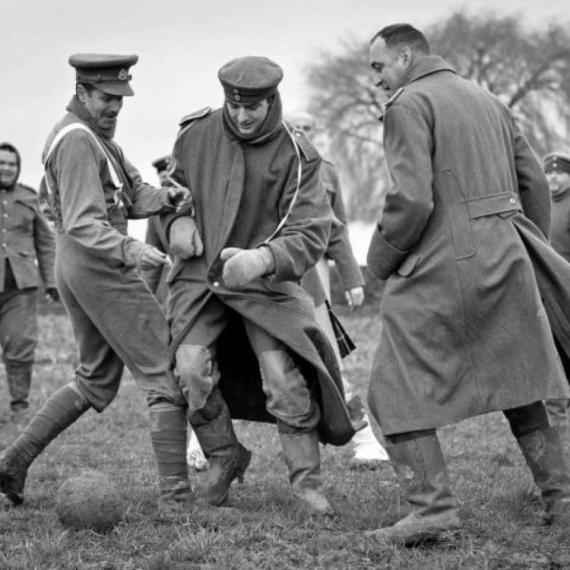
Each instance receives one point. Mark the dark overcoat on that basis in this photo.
(464, 331)
(243, 193)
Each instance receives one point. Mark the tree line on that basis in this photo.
(529, 69)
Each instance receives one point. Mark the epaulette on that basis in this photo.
(195, 116)
(307, 148)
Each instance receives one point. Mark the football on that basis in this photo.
(89, 501)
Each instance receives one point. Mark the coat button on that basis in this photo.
(216, 283)
(513, 201)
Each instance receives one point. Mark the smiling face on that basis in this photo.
(102, 107)
(8, 169)
(248, 118)
(389, 65)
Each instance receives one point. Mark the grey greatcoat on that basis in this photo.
(464, 331)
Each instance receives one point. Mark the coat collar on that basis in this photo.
(426, 66)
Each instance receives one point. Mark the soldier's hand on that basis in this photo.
(52, 294)
(354, 297)
(153, 257)
(181, 198)
(184, 238)
(244, 265)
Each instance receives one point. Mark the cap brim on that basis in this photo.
(118, 88)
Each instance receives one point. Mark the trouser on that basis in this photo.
(288, 397)
(18, 337)
(116, 322)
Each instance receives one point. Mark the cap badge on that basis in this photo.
(237, 97)
(123, 75)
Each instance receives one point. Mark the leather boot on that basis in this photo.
(544, 454)
(302, 456)
(422, 474)
(62, 409)
(227, 457)
(19, 380)
(168, 437)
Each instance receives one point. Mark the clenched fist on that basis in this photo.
(184, 238)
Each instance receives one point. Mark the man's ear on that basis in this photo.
(81, 93)
(406, 56)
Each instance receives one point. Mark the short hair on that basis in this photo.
(7, 147)
(89, 87)
(397, 35)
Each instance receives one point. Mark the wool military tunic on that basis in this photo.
(115, 317)
(27, 241)
(242, 191)
(464, 331)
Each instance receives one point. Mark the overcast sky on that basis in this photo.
(181, 44)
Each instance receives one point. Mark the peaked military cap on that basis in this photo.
(108, 73)
(161, 164)
(556, 161)
(250, 79)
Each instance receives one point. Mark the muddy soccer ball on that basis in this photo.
(89, 500)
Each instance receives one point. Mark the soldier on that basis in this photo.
(557, 169)
(237, 308)
(368, 452)
(464, 328)
(156, 281)
(26, 260)
(91, 190)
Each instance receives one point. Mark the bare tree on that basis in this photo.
(528, 69)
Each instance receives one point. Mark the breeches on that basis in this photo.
(116, 322)
(288, 397)
(18, 325)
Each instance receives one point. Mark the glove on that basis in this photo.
(354, 297)
(244, 265)
(184, 238)
(52, 294)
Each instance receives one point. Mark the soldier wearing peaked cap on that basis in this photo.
(245, 339)
(91, 190)
(464, 328)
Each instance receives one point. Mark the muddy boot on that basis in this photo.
(544, 454)
(168, 437)
(227, 457)
(421, 471)
(62, 409)
(19, 382)
(302, 456)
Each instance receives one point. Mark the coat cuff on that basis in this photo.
(383, 258)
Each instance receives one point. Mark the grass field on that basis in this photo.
(261, 528)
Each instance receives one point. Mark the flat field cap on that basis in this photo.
(250, 79)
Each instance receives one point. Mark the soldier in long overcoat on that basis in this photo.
(91, 190)
(264, 220)
(464, 331)
(27, 252)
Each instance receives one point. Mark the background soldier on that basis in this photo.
(368, 452)
(26, 260)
